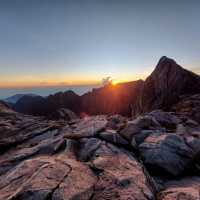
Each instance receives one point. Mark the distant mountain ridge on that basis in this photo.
(33, 105)
(13, 99)
(161, 90)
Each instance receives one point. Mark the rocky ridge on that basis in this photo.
(152, 157)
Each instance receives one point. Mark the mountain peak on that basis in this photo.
(166, 62)
(164, 58)
(165, 85)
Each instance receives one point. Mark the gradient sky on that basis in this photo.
(59, 42)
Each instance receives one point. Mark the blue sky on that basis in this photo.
(58, 42)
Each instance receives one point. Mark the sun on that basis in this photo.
(114, 82)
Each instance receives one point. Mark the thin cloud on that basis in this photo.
(107, 80)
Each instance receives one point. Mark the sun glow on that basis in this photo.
(114, 82)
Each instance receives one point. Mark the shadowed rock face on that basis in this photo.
(189, 106)
(165, 85)
(63, 113)
(111, 99)
(67, 99)
(166, 153)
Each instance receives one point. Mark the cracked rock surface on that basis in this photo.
(155, 156)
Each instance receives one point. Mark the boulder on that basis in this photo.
(165, 119)
(87, 148)
(166, 153)
(116, 122)
(135, 127)
(130, 130)
(139, 138)
(113, 137)
(146, 122)
(87, 127)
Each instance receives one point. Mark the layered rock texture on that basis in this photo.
(76, 159)
(153, 156)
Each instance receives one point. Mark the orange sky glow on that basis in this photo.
(61, 80)
(28, 81)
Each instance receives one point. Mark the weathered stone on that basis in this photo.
(184, 189)
(146, 122)
(33, 179)
(87, 148)
(88, 127)
(116, 122)
(166, 153)
(165, 119)
(121, 177)
(181, 130)
(113, 137)
(135, 127)
(64, 114)
(139, 138)
(131, 130)
(78, 184)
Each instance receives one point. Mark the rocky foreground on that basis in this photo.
(155, 156)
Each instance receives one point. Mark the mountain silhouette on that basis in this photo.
(161, 90)
(165, 86)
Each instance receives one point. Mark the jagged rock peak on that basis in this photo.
(164, 87)
(165, 63)
(165, 59)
